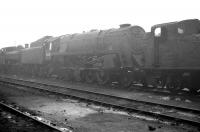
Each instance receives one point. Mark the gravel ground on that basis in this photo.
(83, 117)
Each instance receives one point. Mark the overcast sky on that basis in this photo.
(24, 21)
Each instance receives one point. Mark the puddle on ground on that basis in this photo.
(70, 110)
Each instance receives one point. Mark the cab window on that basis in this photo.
(180, 30)
(157, 32)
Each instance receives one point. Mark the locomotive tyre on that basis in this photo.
(77, 75)
(82, 75)
(102, 77)
(126, 80)
(89, 77)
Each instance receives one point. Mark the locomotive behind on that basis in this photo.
(166, 57)
(172, 55)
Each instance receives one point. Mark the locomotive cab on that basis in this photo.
(12, 54)
(51, 47)
(176, 48)
(174, 44)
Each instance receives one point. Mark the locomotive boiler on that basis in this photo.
(99, 56)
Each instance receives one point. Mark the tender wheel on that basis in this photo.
(126, 80)
(102, 77)
(90, 77)
(194, 83)
(82, 76)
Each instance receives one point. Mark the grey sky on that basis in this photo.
(23, 21)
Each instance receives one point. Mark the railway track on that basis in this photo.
(163, 91)
(28, 119)
(177, 114)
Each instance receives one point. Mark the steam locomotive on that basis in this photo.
(167, 57)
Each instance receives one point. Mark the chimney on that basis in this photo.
(124, 25)
(26, 45)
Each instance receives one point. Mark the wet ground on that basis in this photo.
(83, 117)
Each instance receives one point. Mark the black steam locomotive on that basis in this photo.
(166, 57)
